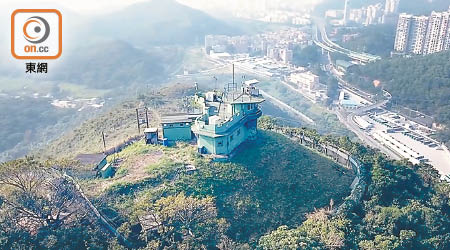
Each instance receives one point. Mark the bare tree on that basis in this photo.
(34, 195)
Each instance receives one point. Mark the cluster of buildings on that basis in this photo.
(227, 120)
(278, 45)
(280, 17)
(272, 11)
(422, 35)
(368, 15)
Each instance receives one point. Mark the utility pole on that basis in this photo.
(233, 74)
(104, 142)
(146, 116)
(215, 85)
(138, 122)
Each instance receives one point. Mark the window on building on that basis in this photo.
(182, 124)
(220, 143)
(231, 138)
(239, 132)
(187, 124)
(248, 106)
(171, 125)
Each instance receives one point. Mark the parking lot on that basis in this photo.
(408, 136)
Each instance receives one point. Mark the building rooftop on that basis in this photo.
(251, 82)
(175, 118)
(151, 130)
(90, 159)
(344, 64)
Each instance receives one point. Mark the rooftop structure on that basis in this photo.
(96, 161)
(151, 135)
(228, 119)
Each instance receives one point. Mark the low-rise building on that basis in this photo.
(151, 135)
(176, 127)
(305, 80)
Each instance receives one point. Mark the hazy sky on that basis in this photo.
(102, 6)
(79, 6)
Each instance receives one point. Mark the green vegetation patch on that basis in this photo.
(271, 182)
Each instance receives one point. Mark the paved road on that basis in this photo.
(325, 43)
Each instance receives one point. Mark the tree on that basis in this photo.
(41, 208)
(283, 238)
(181, 221)
(35, 195)
(332, 88)
(305, 56)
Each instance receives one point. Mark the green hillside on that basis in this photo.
(275, 194)
(271, 182)
(118, 123)
(268, 184)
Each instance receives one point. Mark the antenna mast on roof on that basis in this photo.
(233, 86)
(233, 74)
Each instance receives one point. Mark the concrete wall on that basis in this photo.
(177, 132)
(226, 144)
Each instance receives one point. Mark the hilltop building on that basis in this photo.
(228, 118)
(97, 163)
(176, 127)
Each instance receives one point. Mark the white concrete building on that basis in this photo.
(437, 33)
(305, 80)
(391, 6)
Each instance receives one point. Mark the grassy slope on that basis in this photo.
(118, 123)
(271, 182)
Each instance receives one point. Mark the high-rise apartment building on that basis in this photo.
(346, 11)
(437, 33)
(423, 35)
(391, 6)
(417, 35)
(402, 36)
(373, 14)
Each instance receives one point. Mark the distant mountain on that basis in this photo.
(110, 64)
(160, 22)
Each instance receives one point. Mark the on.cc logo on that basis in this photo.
(39, 26)
(36, 34)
